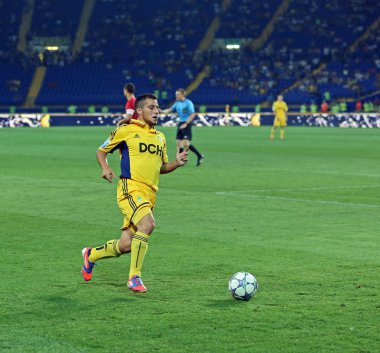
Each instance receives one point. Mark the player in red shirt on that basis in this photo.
(129, 93)
(324, 107)
(358, 106)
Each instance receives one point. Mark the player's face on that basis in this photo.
(179, 96)
(125, 93)
(150, 111)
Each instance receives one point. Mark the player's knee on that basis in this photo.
(147, 226)
(125, 245)
(125, 241)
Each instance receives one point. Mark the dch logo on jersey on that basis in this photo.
(152, 149)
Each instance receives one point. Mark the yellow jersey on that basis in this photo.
(142, 151)
(280, 108)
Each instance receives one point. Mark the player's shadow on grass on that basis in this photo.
(114, 284)
(224, 303)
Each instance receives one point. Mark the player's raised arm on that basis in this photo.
(107, 172)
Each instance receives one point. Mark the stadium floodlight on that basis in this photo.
(52, 48)
(233, 46)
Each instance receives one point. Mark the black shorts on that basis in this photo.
(184, 134)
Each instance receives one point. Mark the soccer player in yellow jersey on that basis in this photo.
(143, 158)
(280, 110)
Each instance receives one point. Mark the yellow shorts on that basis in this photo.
(279, 122)
(135, 201)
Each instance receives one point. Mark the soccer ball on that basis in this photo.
(242, 286)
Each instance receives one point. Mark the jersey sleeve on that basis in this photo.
(285, 107)
(174, 107)
(191, 107)
(114, 141)
(130, 107)
(165, 152)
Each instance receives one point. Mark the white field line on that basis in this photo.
(323, 202)
(320, 188)
(328, 172)
(243, 193)
(349, 174)
(316, 188)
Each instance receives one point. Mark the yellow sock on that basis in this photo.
(272, 133)
(139, 248)
(109, 249)
(282, 133)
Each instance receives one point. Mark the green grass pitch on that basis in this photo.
(303, 216)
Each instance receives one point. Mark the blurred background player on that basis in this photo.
(129, 93)
(280, 109)
(184, 107)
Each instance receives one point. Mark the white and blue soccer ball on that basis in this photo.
(242, 286)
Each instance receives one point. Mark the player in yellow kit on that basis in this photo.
(280, 110)
(143, 158)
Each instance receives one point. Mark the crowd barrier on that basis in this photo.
(354, 120)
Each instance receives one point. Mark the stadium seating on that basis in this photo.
(54, 18)
(15, 82)
(157, 49)
(246, 19)
(9, 27)
(15, 77)
(330, 30)
(357, 73)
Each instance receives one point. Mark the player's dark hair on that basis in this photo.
(130, 87)
(182, 91)
(140, 100)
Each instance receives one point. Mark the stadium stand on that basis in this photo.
(11, 12)
(346, 70)
(355, 74)
(251, 17)
(308, 34)
(15, 74)
(15, 83)
(309, 51)
(119, 48)
(235, 76)
(54, 18)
